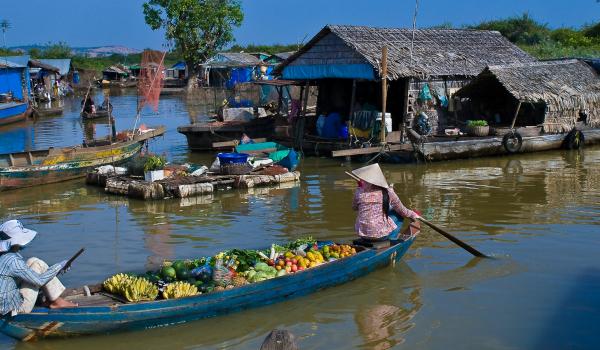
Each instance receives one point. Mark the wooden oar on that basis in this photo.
(439, 230)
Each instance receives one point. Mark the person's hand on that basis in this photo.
(418, 215)
(62, 265)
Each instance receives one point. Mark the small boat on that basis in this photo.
(25, 169)
(12, 112)
(281, 155)
(102, 313)
(100, 113)
(201, 136)
(47, 112)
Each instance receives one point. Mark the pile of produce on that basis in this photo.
(226, 270)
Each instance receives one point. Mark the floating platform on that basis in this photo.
(183, 186)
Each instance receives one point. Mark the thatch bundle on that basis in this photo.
(435, 52)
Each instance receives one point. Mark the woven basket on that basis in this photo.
(478, 130)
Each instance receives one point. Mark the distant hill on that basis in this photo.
(97, 51)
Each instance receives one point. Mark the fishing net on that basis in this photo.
(151, 78)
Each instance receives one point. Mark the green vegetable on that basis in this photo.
(281, 272)
(154, 163)
(478, 122)
(261, 266)
(300, 241)
(168, 272)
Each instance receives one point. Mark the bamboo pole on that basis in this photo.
(512, 126)
(383, 91)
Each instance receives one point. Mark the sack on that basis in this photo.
(222, 276)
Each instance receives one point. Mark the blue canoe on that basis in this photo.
(103, 314)
(281, 155)
(12, 112)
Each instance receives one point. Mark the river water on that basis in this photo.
(537, 214)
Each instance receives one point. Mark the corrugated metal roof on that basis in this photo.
(232, 59)
(17, 61)
(63, 64)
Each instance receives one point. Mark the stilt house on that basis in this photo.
(425, 67)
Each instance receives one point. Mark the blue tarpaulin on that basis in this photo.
(239, 75)
(321, 71)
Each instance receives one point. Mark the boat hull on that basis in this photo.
(15, 112)
(65, 164)
(200, 137)
(492, 146)
(43, 322)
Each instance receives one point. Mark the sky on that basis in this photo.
(85, 23)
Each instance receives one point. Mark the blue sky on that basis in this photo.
(120, 22)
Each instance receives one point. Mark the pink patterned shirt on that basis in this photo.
(371, 221)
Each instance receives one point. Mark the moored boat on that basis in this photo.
(102, 313)
(12, 112)
(201, 136)
(25, 169)
(98, 114)
(47, 112)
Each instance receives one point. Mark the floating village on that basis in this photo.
(362, 97)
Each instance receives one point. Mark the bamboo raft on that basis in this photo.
(183, 186)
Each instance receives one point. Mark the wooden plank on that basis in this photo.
(368, 150)
(234, 143)
(29, 158)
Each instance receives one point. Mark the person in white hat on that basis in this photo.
(21, 281)
(377, 204)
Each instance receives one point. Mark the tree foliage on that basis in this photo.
(199, 28)
(520, 30)
(56, 50)
(270, 49)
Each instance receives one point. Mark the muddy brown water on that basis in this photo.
(538, 214)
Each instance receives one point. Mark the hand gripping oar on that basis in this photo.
(70, 261)
(455, 240)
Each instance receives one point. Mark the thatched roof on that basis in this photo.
(436, 52)
(541, 81)
(565, 86)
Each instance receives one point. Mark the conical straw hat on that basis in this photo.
(371, 174)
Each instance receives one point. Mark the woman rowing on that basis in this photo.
(21, 281)
(380, 211)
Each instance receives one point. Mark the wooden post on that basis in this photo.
(383, 91)
(512, 126)
(405, 111)
(352, 101)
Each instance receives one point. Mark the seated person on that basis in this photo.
(376, 203)
(21, 281)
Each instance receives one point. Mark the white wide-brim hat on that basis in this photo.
(371, 174)
(13, 232)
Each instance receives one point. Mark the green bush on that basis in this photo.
(154, 163)
(478, 122)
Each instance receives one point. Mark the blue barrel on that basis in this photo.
(232, 158)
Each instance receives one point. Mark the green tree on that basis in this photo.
(520, 30)
(35, 52)
(57, 50)
(199, 28)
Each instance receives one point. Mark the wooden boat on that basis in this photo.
(201, 136)
(281, 155)
(12, 112)
(103, 313)
(26, 169)
(100, 113)
(47, 112)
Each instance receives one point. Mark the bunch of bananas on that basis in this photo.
(179, 290)
(139, 289)
(116, 284)
(131, 287)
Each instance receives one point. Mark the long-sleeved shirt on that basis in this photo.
(371, 220)
(14, 271)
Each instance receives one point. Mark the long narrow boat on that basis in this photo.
(100, 113)
(47, 112)
(100, 313)
(25, 169)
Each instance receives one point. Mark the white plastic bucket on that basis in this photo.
(388, 121)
